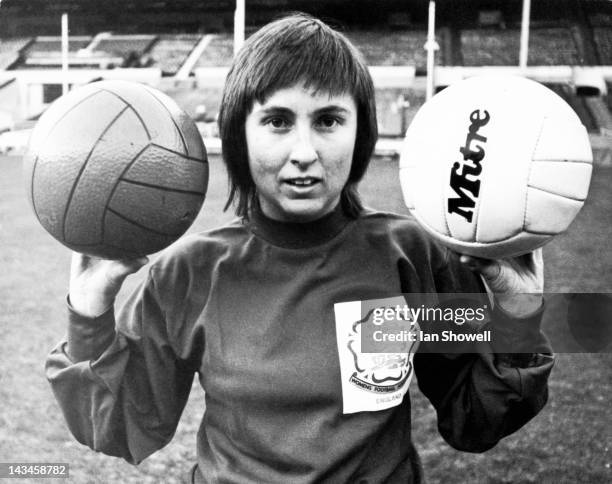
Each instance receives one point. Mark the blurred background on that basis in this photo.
(184, 48)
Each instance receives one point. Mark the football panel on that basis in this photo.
(565, 178)
(548, 212)
(154, 116)
(518, 244)
(105, 251)
(424, 169)
(58, 110)
(187, 127)
(494, 127)
(505, 173)
(514, 245)
(162, 168)
(563, 138)
(54, 113)
(161, 210)
(125, 239)
(117, 147)
(63, 155)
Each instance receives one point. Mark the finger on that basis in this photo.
(532, 261)
(120, 269)
(489, 268)
(538, 267)
(538, 257)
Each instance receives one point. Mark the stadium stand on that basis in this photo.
(598, 16)
(603, 40)
(490, 47)
(47, 51)
(104, 50)
(218, 53)
(169, 52)
(48, 46)
(380, 48)
(40, 17)
(182, 37)
(499, 47)
(126, 46)
(552, 46)
(600, 112)
(10, 50)
(392, 48)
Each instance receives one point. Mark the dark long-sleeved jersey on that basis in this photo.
(249, 307)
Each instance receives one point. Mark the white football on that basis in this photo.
(495, 166)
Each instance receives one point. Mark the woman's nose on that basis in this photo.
(303, 152)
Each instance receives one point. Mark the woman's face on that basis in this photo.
(300, 147)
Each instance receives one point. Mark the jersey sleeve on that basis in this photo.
(121, 389)
(482, 396)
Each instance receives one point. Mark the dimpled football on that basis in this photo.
(495, 166)
(116, 170)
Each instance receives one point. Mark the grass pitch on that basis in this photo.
(569, 441)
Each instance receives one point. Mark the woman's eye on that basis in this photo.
(328, 122)
(277, 122)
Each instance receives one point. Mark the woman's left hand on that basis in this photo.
(517, 282)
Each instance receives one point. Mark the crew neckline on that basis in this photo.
(298, 235)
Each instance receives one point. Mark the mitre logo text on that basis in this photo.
(474, 153)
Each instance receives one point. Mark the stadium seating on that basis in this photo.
(380, 48)
(600, 113)
(497, 47)
(52, 46)
(570, 37)
(124, 45)
(552, 47)
(218, 53)
(9, 51)
(103, 49)
(490, 47)
(392, 48)
(603, 40)
(170, 51)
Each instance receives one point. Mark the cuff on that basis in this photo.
(516, 340)
(89, 337)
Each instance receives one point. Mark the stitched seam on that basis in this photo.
(535, 147)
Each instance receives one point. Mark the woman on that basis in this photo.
(250, 306)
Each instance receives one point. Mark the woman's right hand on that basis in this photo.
(94, 283)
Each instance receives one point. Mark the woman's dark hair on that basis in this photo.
(298, 49)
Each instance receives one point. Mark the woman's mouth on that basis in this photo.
(302, 182)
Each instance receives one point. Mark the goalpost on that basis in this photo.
(524, 34)
(64, 53)
(239, 21)
(431, 46)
